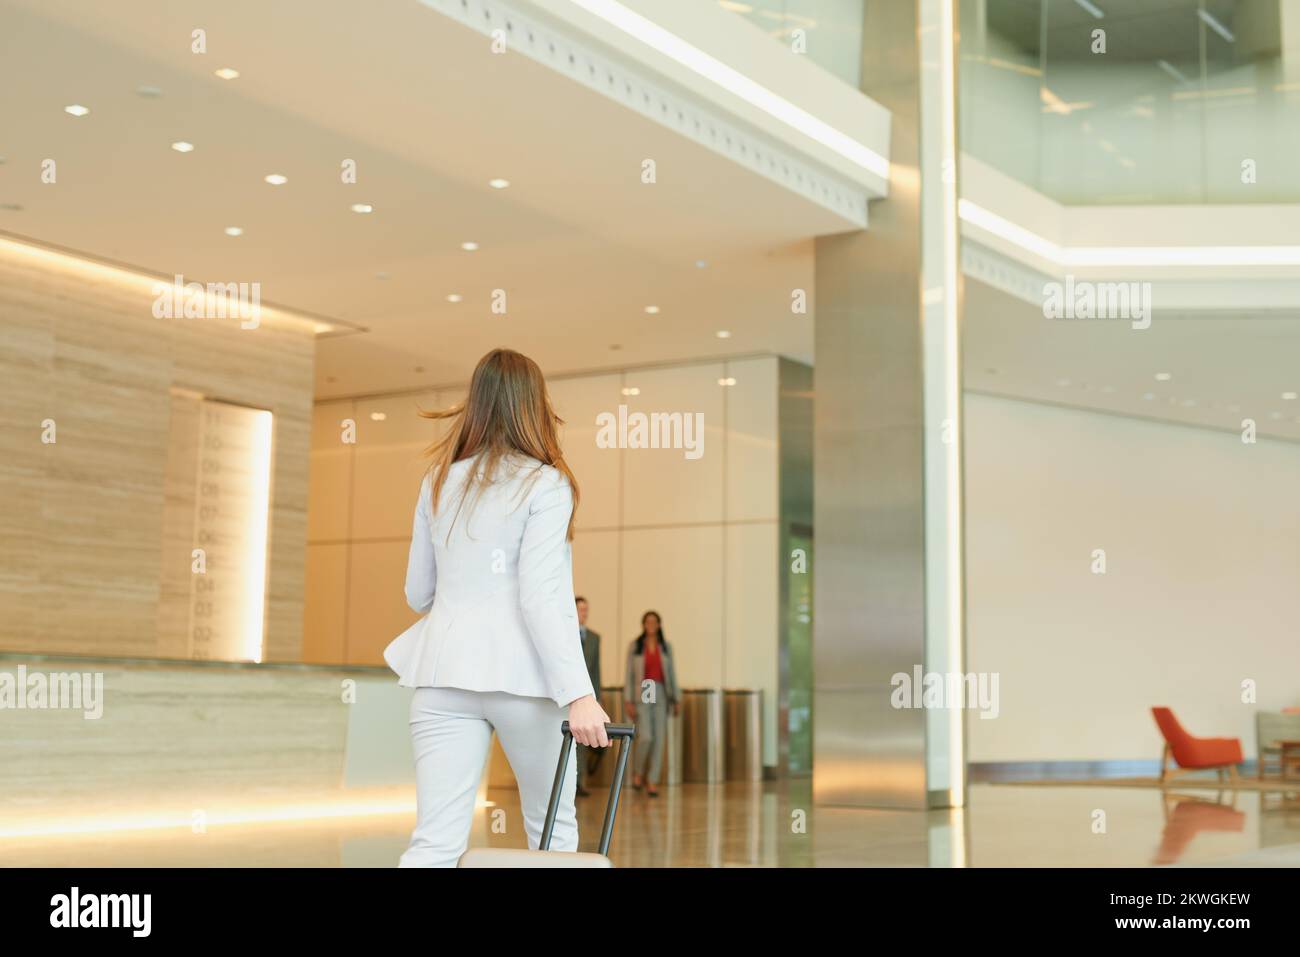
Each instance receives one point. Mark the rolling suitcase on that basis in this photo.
(543, 856)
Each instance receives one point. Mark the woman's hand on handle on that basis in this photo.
(587, 720)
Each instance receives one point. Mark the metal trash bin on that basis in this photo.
(702, 755)
(673, 756)
(744, 729)
(600, 762)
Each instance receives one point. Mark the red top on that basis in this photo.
(654, 665)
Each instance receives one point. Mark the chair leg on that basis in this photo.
(1232, 774)
(1164, 763)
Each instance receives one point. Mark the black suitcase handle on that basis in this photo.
(625, 733)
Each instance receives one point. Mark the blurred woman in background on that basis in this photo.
(650, 692)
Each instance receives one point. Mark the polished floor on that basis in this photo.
(733, 825)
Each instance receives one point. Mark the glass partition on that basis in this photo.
(1128, 102)
(828, 32)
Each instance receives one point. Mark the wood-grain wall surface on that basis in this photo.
(81, 519)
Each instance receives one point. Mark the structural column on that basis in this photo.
(888, 515)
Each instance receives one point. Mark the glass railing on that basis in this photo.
(828, 32)
(1135, 101)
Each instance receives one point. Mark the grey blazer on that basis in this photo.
(636, 674)
(591, 654)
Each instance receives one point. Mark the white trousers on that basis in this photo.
(451, 734)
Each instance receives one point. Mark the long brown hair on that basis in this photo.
(507, 411)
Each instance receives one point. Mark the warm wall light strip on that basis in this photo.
(1126, 255)
(165, 821)
(255, 537)
(146, 283)
(714, 70)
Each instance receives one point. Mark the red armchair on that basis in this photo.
(1194, 754)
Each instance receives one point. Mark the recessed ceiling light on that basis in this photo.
(498, 183)
(378, 416)
(362, 208)
(1148, 396)
(700, 264)
(275, 179)
(76, 109)
(455, 297)
(723, 334)
(652, 310)
(148, 92)
(727, 381)
(226, 73)
(1163, 377)
(631, 390)
(469, 247)
(381, 275)
(234, 231)
(1288, 395)
(181, 146)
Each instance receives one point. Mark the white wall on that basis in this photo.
(695, 540)
(1202, 541)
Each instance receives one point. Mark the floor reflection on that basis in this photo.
(744, 825)
(1189, 815)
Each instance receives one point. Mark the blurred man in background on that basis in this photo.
(590, 652)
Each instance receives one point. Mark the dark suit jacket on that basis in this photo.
(591, 654)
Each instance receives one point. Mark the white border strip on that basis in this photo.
(736, 83)
(1193, 256)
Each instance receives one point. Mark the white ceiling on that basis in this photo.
(430, 114)
(1221, 370)
(580, 245)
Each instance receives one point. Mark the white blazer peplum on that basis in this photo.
(495, 588)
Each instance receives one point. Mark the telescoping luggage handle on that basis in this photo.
(625, 733)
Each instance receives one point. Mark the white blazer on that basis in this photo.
(495, 587)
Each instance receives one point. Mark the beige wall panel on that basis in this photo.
(104, 484)
(26, 361)
(662, 486)
(578, 401)
(752, 429)
(678, 573)
(109, 367)
(328, 509)
(389, 466)
(324, 629)
(377, 610)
